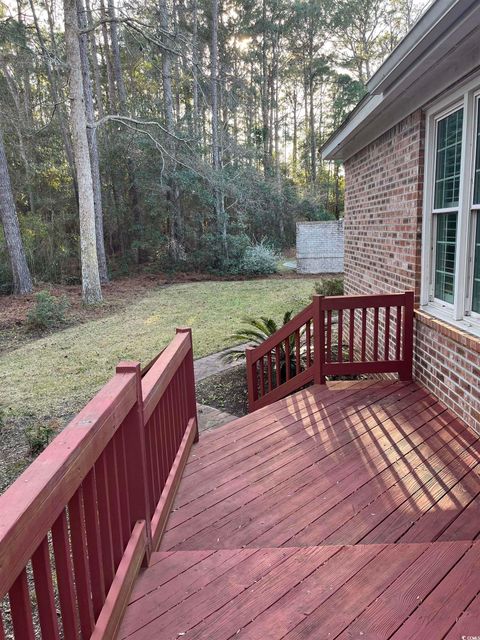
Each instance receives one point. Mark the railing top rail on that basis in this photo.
(155, 381)
(336, 303)
(283, 333)
(30, 506)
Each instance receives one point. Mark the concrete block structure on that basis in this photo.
(320, 247)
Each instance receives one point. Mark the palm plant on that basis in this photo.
(254, 332)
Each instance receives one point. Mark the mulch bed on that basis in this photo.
(226, 391)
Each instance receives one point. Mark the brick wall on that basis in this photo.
(383, 220)
(383, 206)
(320, 247)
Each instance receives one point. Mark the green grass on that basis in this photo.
(56, 375)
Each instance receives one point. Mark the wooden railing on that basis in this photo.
(78, 523)
(283, 363)
(333, 336)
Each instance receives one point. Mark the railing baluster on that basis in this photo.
(278, 366)
(307, 343)
(375, 334)
(287, 358)
(269, 371)
(297, 352)
(80, 564)
(65, 582)
(329, 336)
(252, 387)
(104, 521)
(340, 336)
(364, 335)
(351, 339)
(122, 486)
(387, 334)
(42, 575)
(406, 370)
(93, 540)
(21, 608)
(149, 446)
(398, 337)
(111, 474)
(158, 435)
(262, 377)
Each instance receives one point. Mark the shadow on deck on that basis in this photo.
(343, 511)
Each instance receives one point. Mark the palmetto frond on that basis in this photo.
(255, 331)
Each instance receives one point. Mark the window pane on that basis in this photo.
(445, 256)
(476, 191)
(448, 160)
(476, 270)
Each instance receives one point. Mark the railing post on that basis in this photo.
(136, 458)
(251, 379)
(406, 371)
(191, 394)
(318, 340)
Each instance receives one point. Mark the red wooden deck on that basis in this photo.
(343, 511)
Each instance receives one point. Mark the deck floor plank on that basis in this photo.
(343, 511)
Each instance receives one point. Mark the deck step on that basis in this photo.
(368, 591)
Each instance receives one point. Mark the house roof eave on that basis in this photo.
(438, 31)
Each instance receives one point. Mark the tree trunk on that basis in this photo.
(23, 119)
(22, 281)
(173, 194)
(219, 199)
(92, 292)
(92, 145)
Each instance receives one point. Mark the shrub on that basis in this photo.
(259, 259)
(48, 312)
(38, 437)
(329, 287)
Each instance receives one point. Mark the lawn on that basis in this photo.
(55, 375)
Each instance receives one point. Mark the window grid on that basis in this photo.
(448, 160)
(445, 248)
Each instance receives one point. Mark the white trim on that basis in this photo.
(460, 313)
(371, 103)
(468, 324)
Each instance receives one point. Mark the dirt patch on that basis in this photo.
(226, 391)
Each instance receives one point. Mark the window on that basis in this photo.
(451, 232)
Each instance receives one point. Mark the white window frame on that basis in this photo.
(459, 313)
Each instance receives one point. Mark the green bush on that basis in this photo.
(48, 312)
(38, 437)
(329, 287)
(259, 259)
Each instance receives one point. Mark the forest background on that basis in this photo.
(174, 135)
